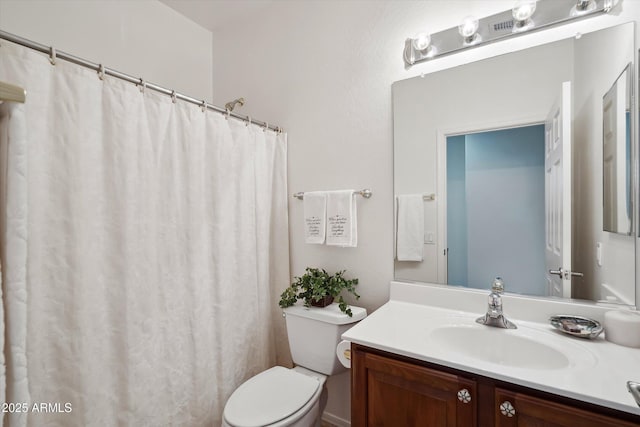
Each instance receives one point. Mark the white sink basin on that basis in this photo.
(519, 348)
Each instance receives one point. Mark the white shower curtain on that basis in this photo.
(144, 246)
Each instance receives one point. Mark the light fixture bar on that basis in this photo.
(500, 26)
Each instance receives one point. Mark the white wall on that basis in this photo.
(144, 38)
(323, 71)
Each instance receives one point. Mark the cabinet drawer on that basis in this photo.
(517, 409)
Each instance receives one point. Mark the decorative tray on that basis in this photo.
(577, 326)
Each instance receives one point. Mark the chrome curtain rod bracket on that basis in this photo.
(104, 71)
(366, 193)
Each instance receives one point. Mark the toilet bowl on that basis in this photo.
(277, 397)
(295, 397)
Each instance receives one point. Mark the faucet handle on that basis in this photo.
(498, 285)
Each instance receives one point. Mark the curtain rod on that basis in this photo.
(56, 54)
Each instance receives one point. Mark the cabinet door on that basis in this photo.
(521, 410)
(389, 392)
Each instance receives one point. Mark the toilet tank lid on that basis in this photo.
(329, 314)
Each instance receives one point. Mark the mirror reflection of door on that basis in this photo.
(495, 208)
(558, 195)
(509, 205)
(609, 159)
(616, 156)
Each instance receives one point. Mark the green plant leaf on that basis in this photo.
(315, 284)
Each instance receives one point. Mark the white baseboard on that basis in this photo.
(336, 421)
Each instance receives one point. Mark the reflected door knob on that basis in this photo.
(565, 274)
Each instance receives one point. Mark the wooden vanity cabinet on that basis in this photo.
(395, 391)
(391, 392)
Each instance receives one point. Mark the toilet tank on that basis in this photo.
(315, 332)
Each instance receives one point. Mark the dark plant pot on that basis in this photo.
(325, 301)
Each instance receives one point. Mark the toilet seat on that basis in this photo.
(270, 397)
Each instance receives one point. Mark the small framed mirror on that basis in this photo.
(617, 156)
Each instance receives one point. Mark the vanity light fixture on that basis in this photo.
(524, 17)
(468, 29)
(522, 13)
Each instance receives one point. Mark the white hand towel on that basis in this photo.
(342, 219)
(315, 211)
(410, 228)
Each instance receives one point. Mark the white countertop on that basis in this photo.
(598, 370)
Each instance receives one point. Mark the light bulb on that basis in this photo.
(522, 13)
(523, 10)
(584, 4)
(468, 27)
(582, 7)
(421, 41)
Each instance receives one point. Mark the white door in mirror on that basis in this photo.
(557, 164)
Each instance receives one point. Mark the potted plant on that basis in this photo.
(318, 288)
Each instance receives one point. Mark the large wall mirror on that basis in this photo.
(512, 149)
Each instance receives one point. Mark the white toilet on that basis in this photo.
(294, 397)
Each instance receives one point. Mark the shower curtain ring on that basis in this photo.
(266, 127)
(142, 86)
(203, 106)
(248, 121)
(101, 72)
(228, 114)
(173, 96)
(52, 55)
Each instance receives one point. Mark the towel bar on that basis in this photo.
(366, 193)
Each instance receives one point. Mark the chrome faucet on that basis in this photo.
(494, 316)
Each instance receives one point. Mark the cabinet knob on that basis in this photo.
(464, 396)
(507, 409)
